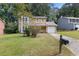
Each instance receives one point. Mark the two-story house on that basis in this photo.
(68, 23)
(40, 22)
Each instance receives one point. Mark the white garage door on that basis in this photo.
(51, 29)
(77, 26)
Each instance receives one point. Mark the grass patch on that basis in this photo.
(73, 34)
(42, 45)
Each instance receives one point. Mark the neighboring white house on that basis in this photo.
(68, 23)
(40, 22)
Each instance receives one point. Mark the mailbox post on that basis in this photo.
(62, 42)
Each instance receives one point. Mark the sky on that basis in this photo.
(58, 5)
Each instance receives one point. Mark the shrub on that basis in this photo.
(34, 32)
(30, 32)
(27, 32)
(11, 28)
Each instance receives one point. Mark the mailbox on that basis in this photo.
(62, 41)
(65, 41)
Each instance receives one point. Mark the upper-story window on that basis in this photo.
(44, 20)
(74, 20)
(25, 18)
(78, 20)
(37, 20)
(41, 20)
(71, 20)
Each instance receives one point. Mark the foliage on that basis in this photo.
(44, 9)
(21, 10)
(34, 32)
(30, 32)
(53, 14)
(11, 28)
(70, 10)
(27, 32)
(6, 13)
(10, 13)
(39, 9)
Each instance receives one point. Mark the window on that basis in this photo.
(25, 18)
(78, 20)
(74, 20)
(37, 20)
(71, 20)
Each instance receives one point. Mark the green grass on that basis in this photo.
(16, 45)
(73, 34)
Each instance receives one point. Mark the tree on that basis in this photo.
(39, 9)
(10, 13)
(6, 13)
(70, 10)
(53, 13)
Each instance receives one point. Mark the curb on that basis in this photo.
(67, 47)
(71, 50)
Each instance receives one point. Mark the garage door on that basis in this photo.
(51, 29)
(77, 26)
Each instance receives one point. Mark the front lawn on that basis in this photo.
(16, 45)
(73, 34)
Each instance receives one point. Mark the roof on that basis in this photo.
(71, 17)
(51, 23)
(43, 24)
(39, 16)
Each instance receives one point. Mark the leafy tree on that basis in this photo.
(39, 9)
(6, 13)
(70, 10)
(53, 13)
(10, 13)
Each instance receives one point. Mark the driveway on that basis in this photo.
(73, 45)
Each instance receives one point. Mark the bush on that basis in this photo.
(27, 32)
(30, 32)
(11, 28)
(34, 32)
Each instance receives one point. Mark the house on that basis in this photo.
(1, 26)
(68, 23)
(40, 22)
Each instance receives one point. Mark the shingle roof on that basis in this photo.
(43, 24)
(51, 23)
(72, 17)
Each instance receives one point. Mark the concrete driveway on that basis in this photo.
(73, 45)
